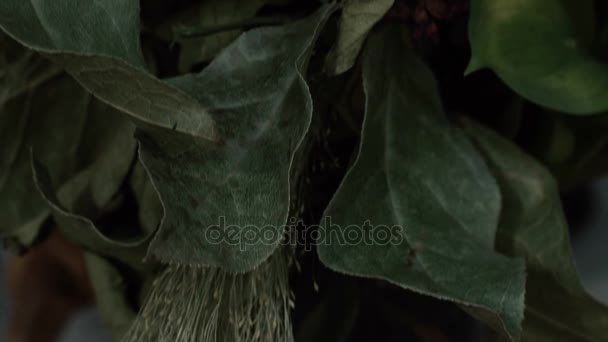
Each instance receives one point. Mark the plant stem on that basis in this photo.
(237, 25)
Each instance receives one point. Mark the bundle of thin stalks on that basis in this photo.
(190, 303)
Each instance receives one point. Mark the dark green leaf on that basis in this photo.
(88, 146)
(540, 49)
(257, 95)
(128, 245)
(357, 19)
(215, 15)
(532, 226)
(150, 209)
(420, 175)
(254, 89)
(98, 43)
